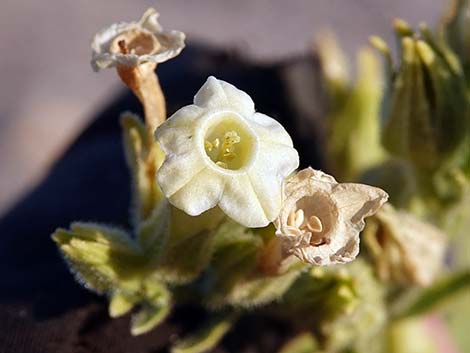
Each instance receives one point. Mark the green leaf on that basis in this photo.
(120, 304)
(354, 127)
(155, 308)
(144, 157)
(344, 303)
(255, 290)
(236, 255)
(451, 109)
(154, 232)
(207, 337)
(380, 45)
(409, 130)
(334, 67)
(454, 32)
(441, 291)
(235, 275)
(148, 318)
(102, 258)
(303, 343)
(185, 261)
(190, 246)
(402, 28)
(409, 336)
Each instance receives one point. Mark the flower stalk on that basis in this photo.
(144, 83)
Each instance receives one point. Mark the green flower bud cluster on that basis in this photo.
(427, 113)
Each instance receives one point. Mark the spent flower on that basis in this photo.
(145, 41)
(220, 152)
(405, 249)
(135, 49)
(321, 219)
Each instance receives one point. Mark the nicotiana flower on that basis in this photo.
(405, 249)
(320, 219)
(135, 43)
(219, 151)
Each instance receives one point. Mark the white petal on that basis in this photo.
(357, 201)
(267, 189)
(186, 115)
(269, 130)
(203, 192)
(276, 159)
(179, 170)
(272, 165)
(242, 203)
(222, 95)
(177, 134)
(149, 21)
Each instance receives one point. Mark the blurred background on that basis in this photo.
(48, 91)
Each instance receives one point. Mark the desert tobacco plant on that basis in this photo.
(222, 218)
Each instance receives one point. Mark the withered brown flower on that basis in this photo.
(321, 219)
(405, 249)
(135, 43)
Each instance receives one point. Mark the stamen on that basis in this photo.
(294, 230)
(291, 220)
(229, 156)
(123, 47)
(299, 218)
(208, 146)
(314, 224)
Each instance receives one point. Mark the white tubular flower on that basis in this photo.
(320, 219)
(406, 250)
(219, 151)
(144, 41)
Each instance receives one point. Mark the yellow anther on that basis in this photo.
(223, 153)
(231, 138)
(208, 146)
(230, 156)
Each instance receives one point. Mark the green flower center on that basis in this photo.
(229, 144)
